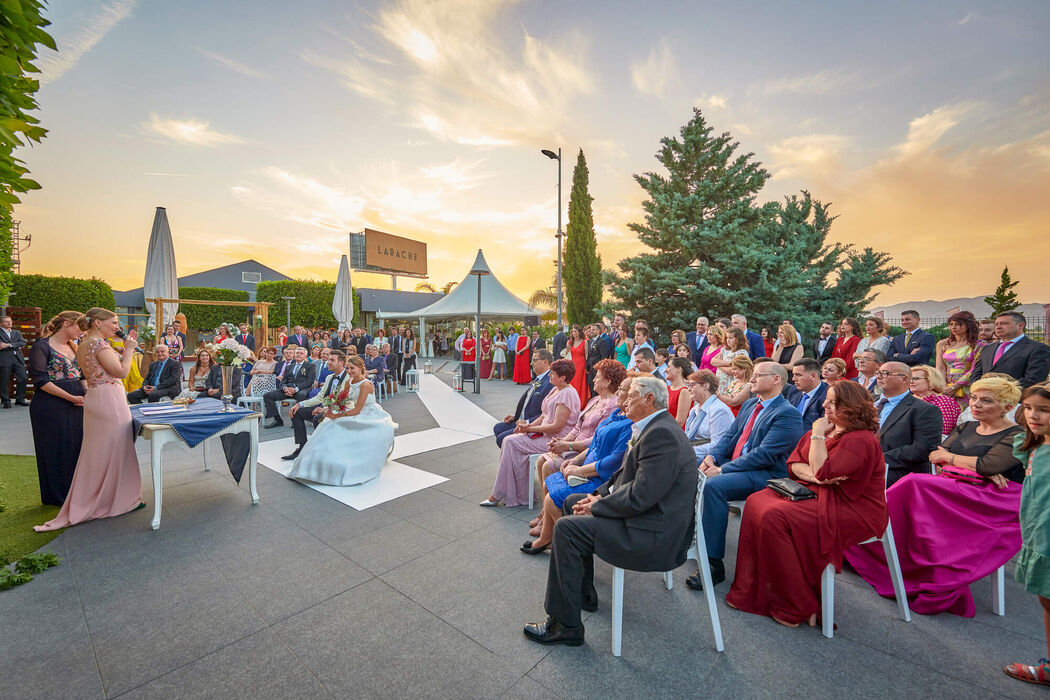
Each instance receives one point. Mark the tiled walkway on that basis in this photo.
(425, 595)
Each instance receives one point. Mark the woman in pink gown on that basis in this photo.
(558, 416)
(106, 481)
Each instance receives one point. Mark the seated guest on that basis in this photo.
(390, 360)
(560, 410)
(640, 519)
(679, 398)
(296, 379)
(785, 545)
(753, 451)
(164, 378)
(198, 378)
(909, 429)
(927, 383)
(846, 345)
(709, 418)
(868, 363)
(313, 408)
(833, 370)
(876, 336)
(590, 468)
(327, 339)
(914, 346)
(959, 525)
(262, 377)
(315, 358)
(213, 385)
(789, 351)
(1024, 359)
(375, 365)
(739, 390)
(287, 355)
(808, 392)
(645, 363)
(316, 341)
(531, 402)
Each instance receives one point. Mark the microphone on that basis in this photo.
(120, 334)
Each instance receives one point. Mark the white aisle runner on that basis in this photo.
(460, 421)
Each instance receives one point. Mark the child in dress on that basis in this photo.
(1033, 563)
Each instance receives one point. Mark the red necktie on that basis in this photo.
(747, 431)
(1003, 347)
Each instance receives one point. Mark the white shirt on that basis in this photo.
(459, 341)
(631, 362)
(637, 428)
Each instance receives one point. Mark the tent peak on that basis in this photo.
(480, 263)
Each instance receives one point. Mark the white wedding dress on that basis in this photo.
(348, 450)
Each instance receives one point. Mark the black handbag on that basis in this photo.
(790, 489)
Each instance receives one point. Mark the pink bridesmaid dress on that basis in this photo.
(107, 480)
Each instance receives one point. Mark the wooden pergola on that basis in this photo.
(262, 306)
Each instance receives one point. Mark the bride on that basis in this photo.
(352, 443)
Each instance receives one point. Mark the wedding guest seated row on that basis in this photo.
(531, 402)
(709, 418)
(927, 383)
(961, 524)
(785, 545)
(163, 379)
(909, 428)
(558, 415)
(833, 370)
(590, 468)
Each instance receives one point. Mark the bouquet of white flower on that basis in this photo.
(229, 352)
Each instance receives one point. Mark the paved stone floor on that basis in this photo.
(301, 596)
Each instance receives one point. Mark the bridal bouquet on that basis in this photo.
(229, 352)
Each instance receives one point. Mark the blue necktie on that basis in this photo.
(156, 375)
(803, 403)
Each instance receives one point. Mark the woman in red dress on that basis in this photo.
(785, 545)
(578, 348)
(485, 345)
(522, 362)
(846, 345)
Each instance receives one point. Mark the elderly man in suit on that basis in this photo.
(641, 519)
(296, 380)
(598, 349)
(697, 340)
(753, 451)
(1017, 355)
(908, 430)
(824, 345)
(914, 346)
(244, 337)
(808, 392)
(12, 362)
(313, 409)
(531, 402)
(164, 378)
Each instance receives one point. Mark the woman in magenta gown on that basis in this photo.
(106, 481)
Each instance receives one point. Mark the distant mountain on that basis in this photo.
(939, 309)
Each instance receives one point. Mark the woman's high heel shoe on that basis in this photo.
(527, 548)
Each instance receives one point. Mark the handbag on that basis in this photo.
(790, 489)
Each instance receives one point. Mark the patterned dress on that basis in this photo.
(958, 365)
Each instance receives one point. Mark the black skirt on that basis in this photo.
(58, 430)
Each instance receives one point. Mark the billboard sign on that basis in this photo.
(395, 254)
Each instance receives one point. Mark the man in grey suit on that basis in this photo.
(12, 362)
(908, 430)
(641, 519)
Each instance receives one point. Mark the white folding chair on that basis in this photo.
(698, 552)
(533, 477)
(827, 582)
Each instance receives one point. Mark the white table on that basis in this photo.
(160, 435)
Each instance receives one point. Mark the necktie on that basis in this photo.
(907, 340)
(803, 403)
(156, 375)
(747, 432)
(1003, 347)
(879, 405)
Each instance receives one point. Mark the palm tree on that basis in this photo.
(448, 287)
(425, 287)
(546, 301)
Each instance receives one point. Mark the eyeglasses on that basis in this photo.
(756, 375)
(917, 379)
(883, 373)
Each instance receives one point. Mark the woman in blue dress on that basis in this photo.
(586, 471)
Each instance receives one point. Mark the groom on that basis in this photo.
(332, 387)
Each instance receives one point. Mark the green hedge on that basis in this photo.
(311, 307)
(211, 317)
(56, 294)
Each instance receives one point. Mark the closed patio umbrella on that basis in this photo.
(161, 279)
(343, 302)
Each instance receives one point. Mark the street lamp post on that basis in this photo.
(557, 156)
(288, 312)
(479, 270)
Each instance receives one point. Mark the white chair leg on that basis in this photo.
(207, 467)
(669, 579)
(889, 547)
(999, 591)
(617, 609)
(827, 601)
(709, 586)
(533, 476)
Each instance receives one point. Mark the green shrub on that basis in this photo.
(311, 307)
(56, 294)
(209, 318)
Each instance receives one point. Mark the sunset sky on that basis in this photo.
(271, 129)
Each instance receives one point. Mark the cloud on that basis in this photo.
(455, 174)
(815, 156)
(819, 83)
(925, 131)
(190, 132)
(304, 200)
(711, 103)
(235, 66)
(53, 65)
(652, 75)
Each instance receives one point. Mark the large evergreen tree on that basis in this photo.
(583, 265)
(716, 250)
(1004, 298)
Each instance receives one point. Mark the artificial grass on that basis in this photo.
(20, 499)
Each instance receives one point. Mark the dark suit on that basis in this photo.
(828, 349)
(12, 362)
(911, 432)
(299, 339)
(528, 408)
(359, 343)
(397, 351)
(1027, 361)
(696, 352)
(558, 343)
(756, 346)
(598, 349)
(305, 409)
(646, 523)
(815, 406)
(214, 381)
(247, 341)
(775, 434)
(169, 383)
(920, 340)
(539, 344)
(300, 380)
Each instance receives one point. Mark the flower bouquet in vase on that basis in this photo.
(228, 354)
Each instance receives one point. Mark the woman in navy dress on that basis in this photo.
(57, 413)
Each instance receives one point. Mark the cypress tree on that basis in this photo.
(1004, 298)
(583, 265)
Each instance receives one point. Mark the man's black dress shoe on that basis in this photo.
(718, 575)
(21, 403)
(589, 602)
(294, 454)
(550, 631)
(275, 423)
(7, 404)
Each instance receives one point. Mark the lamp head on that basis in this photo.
(550, 154)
